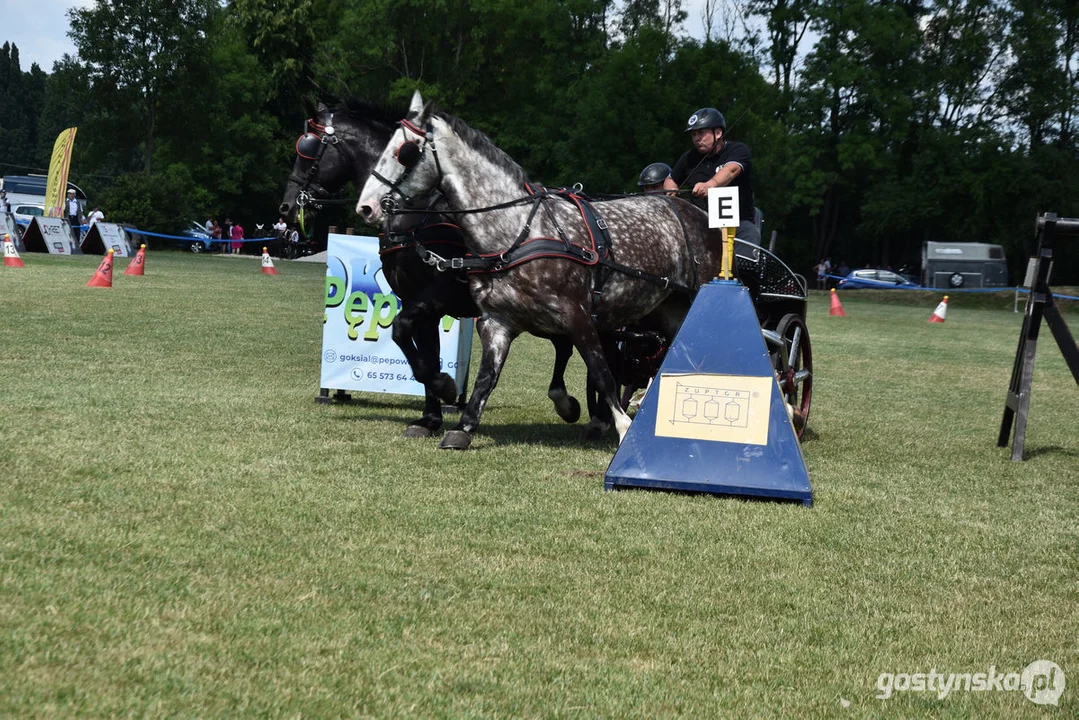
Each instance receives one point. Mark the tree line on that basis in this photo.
(874, 124)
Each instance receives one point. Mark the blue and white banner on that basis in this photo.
(358, 352)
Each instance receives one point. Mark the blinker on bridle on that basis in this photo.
(311, 146)
(408, 155)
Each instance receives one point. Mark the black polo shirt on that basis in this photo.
(733, 152)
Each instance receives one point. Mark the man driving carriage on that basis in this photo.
(715, 161)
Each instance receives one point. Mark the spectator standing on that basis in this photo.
(226, 234)
(237, 236)
(5, 204)
(94, 216)
(822, 274)
(74, 213)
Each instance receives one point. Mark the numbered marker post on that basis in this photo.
(723, 212)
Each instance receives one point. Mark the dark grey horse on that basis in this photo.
(657, 244)
(342, 145)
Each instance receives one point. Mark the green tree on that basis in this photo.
(139, 47)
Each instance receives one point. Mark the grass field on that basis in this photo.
(185, 532)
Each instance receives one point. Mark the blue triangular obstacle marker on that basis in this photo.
(714, 420)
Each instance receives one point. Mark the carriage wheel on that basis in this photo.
(793, 364)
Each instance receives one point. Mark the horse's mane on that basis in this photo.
(483, 145)
(358, 110)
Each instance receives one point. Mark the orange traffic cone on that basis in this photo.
(137, 266)
(103, 275)
(837, 307)
(267, 263)
(11, 255)
(940, 312)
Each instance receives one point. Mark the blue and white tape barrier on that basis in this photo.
(869, 285)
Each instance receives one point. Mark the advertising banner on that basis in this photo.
(102, 237)
(358, 352)
(9, 227)
(51, 235)
(56, 185)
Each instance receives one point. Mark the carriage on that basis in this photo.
(553, 296)
(779, 298)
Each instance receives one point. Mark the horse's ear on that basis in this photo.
(416, 107)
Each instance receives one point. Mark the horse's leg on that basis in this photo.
(430, 422)
(495, 339)
(607, 409)
(613, 357)
(425, 335)
(415, 331)
(565, 404)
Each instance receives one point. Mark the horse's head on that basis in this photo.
(321, 168)
(408, 167)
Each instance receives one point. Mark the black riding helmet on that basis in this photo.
(654, 174)
(706, 118)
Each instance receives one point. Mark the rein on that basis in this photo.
(409, 154)
(517, 253)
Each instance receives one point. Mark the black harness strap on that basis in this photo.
(420, 238)
(525, 249)
(693, 262)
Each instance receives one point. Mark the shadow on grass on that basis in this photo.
(1029, 454)
(553, 432)
(754, 499)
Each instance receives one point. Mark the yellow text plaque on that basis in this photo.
(721, 408)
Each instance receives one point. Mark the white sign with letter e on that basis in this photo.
(723, 207)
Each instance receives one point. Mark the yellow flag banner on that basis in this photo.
(56, 185)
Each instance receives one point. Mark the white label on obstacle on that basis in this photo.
(721, 408)
(723, 208)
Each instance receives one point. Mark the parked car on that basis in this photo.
(873, 278)
(26, 213)
(196, 239)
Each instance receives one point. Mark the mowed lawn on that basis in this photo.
(185, 532)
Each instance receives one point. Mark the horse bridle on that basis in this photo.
(409, 154)
(311, 146)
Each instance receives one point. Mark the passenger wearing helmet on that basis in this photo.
(652, 177)
(715, 161)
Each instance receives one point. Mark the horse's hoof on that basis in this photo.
(417, 431)
(573, 414)
(455, 440)
(445, 388)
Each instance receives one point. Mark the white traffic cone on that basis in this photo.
(940, 312)
(267, 263)
(11, 254)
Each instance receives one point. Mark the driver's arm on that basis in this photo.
(725, 176)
